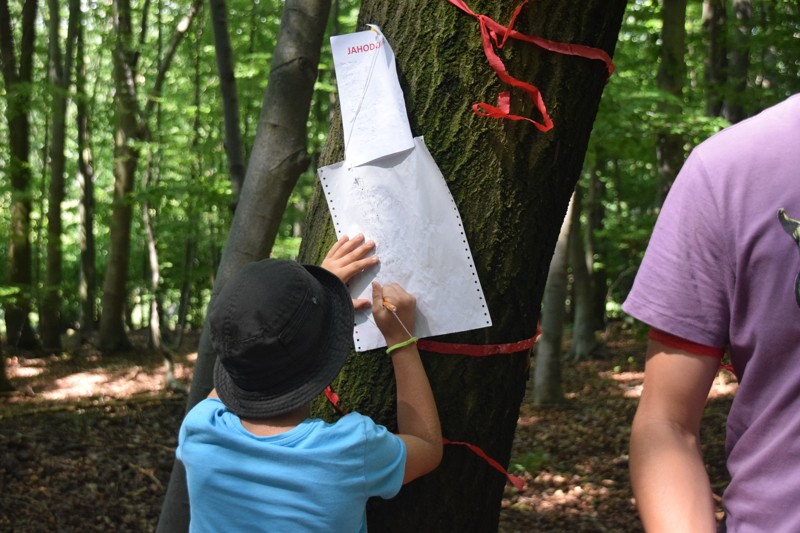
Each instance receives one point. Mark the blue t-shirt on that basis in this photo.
(314, 477)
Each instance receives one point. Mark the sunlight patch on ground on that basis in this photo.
(554, 491)
(28, 372)
(525, 421)
(94, 382)
(630, 383)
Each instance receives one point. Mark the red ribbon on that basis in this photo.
(475, 350)
(478, 350)
(514, 480)
(489, 33)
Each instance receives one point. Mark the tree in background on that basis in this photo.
(739, 62)
(512, 184)
(230, 96)
(60, 79)
(547, 368)
(87, 274)
(131, 128)
(671, 75)
(17, 76)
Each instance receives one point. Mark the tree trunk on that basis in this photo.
(126, 155)
(17, 86)
(547, 363)
(278, 158)
(5, 384)
(60, 76)
(584, 342)
(230, 97)
(131, 127)
(671, 72)
(595, 214)
(512, 184)
(740, 61)
(715, 22)
(88, 280)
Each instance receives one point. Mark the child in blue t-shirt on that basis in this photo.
(254, 458)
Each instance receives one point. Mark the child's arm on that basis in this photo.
(417, 417)
(347, 257)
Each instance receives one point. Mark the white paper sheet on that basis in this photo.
(402, 202)
(374, 119)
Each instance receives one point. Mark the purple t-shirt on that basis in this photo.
(720, 270)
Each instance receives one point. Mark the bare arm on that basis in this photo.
(417, 417)
(669, 479)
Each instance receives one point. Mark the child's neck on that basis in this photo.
(276, 425)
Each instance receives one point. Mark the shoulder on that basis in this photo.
(202, 415)
(356, 429)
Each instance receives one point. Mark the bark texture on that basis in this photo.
(512, 185)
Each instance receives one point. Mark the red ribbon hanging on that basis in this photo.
(514, 480)
(489, 34)
(475, 350)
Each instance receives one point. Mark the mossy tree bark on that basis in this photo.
(512, 185)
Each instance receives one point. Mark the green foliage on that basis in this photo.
(622, 150)
(532, 461)
(189, 194)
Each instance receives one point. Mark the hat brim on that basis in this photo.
(335, 349)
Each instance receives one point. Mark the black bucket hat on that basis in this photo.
(281, 331)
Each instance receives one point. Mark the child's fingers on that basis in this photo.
(347, 245)
(361, 303)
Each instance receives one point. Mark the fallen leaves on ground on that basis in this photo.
(88, 445)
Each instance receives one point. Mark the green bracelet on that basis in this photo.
(390, 349)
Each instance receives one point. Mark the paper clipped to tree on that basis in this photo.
(396, 196)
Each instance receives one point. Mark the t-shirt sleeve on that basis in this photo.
(196, 417)
(685, 278)
(385, 461)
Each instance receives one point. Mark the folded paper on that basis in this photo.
(374, 119)
(402, 203)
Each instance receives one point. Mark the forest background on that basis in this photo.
(684, 70)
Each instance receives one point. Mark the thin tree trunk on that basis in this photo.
(230, 98)
(547, 363)
(715, 23)
(511, 184)
(113, 336)
(671, 73)
(60, 79)
(131, 126)
(17, 79)
(584, 342)
(87, 277)
(278, 158)
(740, 61)
(595, 214)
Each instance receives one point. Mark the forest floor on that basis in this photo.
(87, 444)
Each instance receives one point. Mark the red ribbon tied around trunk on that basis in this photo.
(489, 34)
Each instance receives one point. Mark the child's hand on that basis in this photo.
(404, 306)
(347, 257)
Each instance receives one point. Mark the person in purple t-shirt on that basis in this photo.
(721, 275)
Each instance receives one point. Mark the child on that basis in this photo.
(254, 459)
